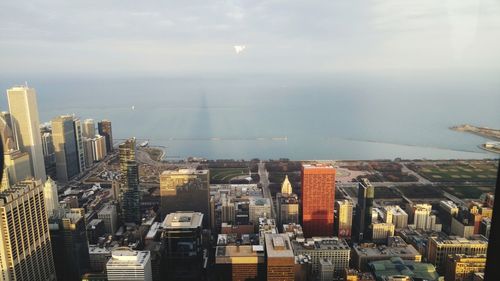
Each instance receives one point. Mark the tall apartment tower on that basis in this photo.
(127, 153)
(344, 219)
(131, 212)
(26, 126)
(104, 128)
(77, 126)
(366, 194)
(318, 198)
(63, 135)
(25, 247)
(68, 235)
(88, 128)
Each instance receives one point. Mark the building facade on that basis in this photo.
(104, 129)
(280, 258)
(25, 247)
(318, 199)
(65, 148)
(126, 264)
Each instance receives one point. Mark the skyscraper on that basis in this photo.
(68, 235)
(25, 247)
(129, 190)
(77, 126)
(127, 153)
(26, 126)
(344, 220)
(88, 128)
(99, 148)
(63, 135)
(185, 190)
(131, 212)
(287, 204)
(50, 195)
(366, 194)
(318, 197)
(104, 128)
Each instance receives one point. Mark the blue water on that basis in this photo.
(322, 117)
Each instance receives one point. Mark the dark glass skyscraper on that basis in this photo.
(104, 128)
(129, 190)
(69, 243)
(366, 194)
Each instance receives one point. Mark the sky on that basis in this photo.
(103, 37)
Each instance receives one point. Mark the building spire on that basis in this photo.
(286, 186)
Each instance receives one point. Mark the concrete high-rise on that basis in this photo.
(366, 194)
(318, 198)
(18, 166)
(65, 147)
(25, 247)
(69, 244)
(104, 128)
(88, 128)
(77, 126)
(280, 258)
(50, 196)
(26, 126)
(126, 264)
(99, 148)
(185, 190)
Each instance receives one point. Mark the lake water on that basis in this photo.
(296, 117)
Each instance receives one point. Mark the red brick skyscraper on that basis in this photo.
(318, 199)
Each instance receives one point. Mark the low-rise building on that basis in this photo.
(441, 247)
(398, 269)
(362, 254)
(462, 267)
(319, 248)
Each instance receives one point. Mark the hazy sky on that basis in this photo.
(184, 36)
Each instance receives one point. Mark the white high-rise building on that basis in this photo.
(88, 128)
(50, 195)
(126, 264)
(26, 126)
(395, 215)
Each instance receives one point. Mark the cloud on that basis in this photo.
(239, 48)
(315, 36)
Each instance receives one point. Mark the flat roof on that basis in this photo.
(278, 245)
(183, 220)
(321, 244)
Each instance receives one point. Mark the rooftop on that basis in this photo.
(183, 220)
(321, 244)
(278, 246)
(397, 266)
(474, 239)
(397, 247)
(125, 256)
